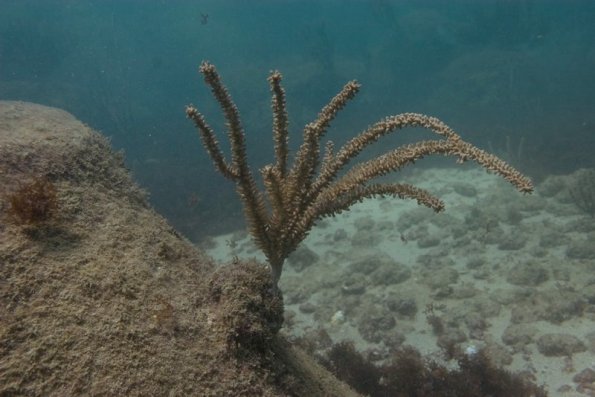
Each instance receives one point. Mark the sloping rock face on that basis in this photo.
(100, 296)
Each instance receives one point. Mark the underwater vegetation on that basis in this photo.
(582, 191)
(408, 374)
(296, 196)
(34, 203)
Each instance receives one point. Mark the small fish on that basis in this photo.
(193, 200)
(204, 18)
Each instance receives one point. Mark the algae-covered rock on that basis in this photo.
(106, 298)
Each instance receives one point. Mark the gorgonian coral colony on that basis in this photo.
(295, 197)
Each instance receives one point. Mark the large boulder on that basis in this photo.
(100, 296)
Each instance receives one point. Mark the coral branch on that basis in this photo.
(300, 196)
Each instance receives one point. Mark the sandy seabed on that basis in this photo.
(497, 270)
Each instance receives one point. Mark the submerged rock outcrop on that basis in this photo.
(100, 296)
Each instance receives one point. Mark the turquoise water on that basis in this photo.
(514, 76)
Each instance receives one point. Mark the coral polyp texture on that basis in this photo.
(317, 186)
